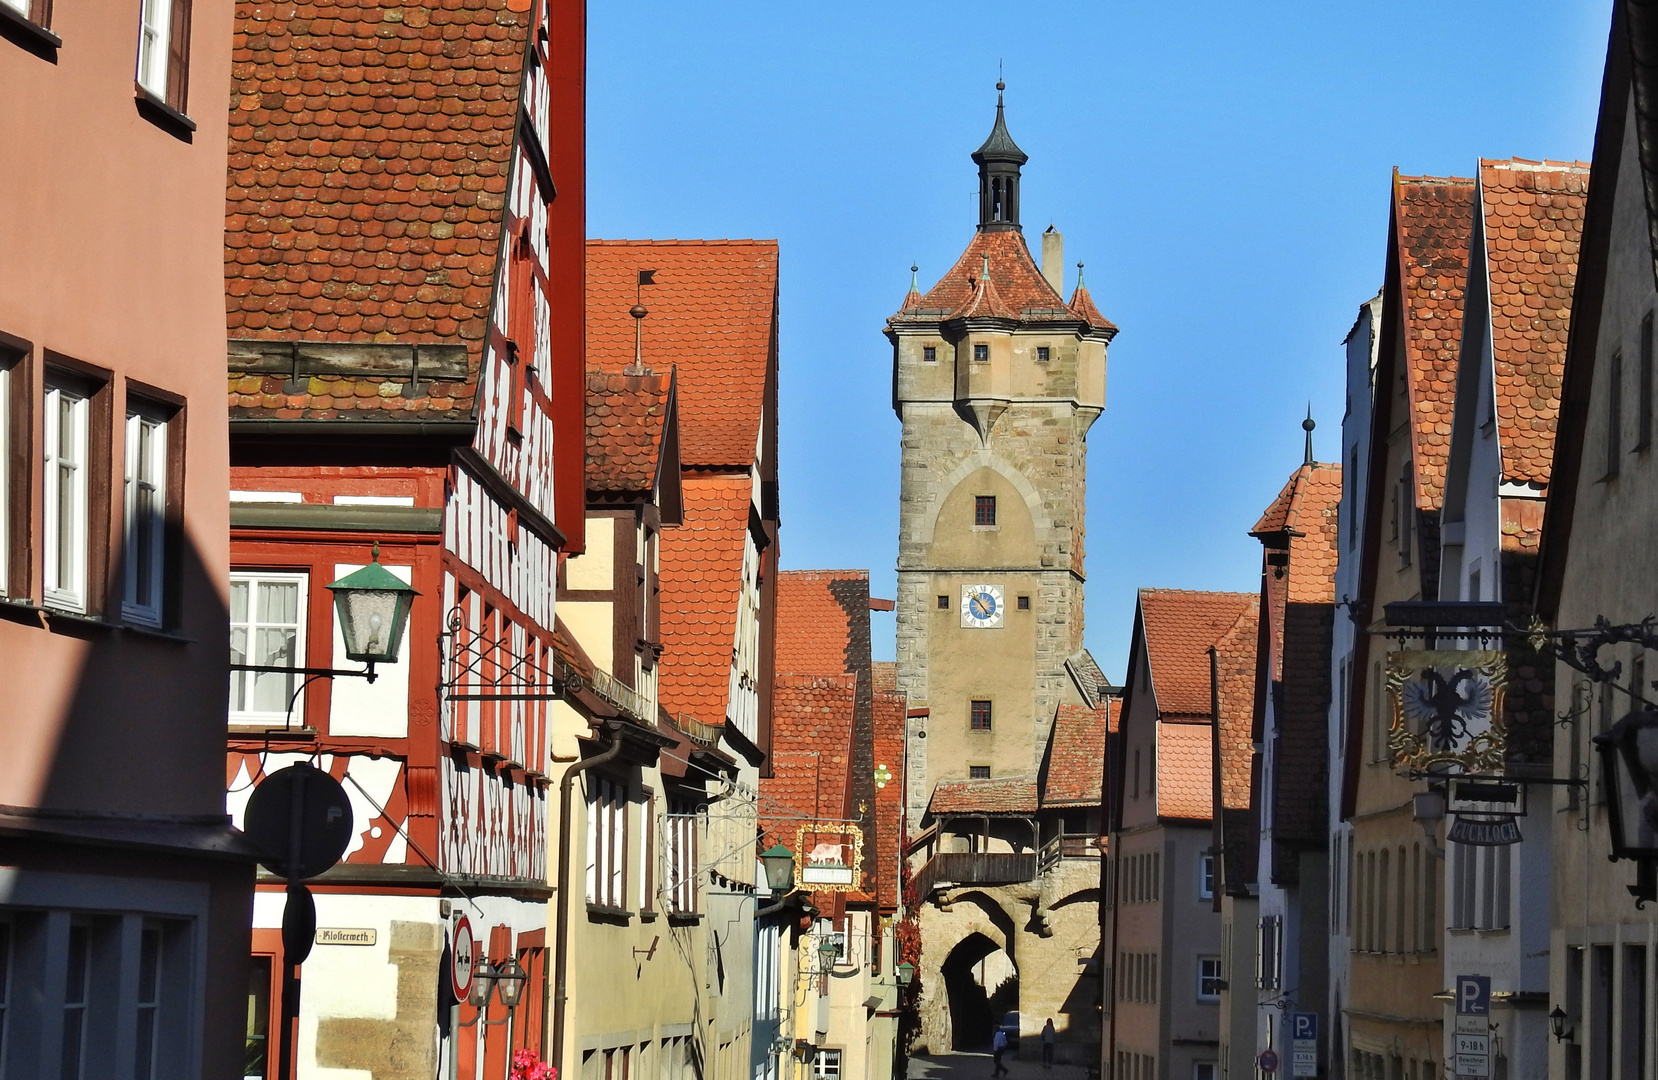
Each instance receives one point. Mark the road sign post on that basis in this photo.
(1303, 1044)
(1472, 1049)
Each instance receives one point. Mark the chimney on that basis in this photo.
(1053, 259)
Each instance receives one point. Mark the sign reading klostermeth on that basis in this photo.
(345, 935)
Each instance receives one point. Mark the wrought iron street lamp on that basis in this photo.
(506, 981)
(373, 605)
(1557, 1024)
(1629, 763)
(779, 863)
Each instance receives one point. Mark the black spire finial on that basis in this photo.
(1307, 425)
(999, 160)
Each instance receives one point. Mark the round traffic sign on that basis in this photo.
(1268, 1060)
(301, 815)
(460, 964)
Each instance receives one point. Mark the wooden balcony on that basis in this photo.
(975, 868)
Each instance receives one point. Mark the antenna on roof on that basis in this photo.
(1307, 425)
(638, 311)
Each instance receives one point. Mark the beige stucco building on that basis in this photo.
(997, 380)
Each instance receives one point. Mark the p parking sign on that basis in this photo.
(1303, 1044)
(1473, 995)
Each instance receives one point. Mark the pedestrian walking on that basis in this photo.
(1048, 1044)
(998, 1047)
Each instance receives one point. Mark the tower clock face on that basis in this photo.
(981, 607)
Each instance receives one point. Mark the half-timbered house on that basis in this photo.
(683, 617)
(403, 268)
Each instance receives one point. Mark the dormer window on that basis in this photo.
(1041, 354)
(929, 353)
(981, 353)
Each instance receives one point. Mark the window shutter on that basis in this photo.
(178, 55)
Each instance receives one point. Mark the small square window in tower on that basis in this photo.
(981, 353)
(1041, 354)
(978, 772)
(1024, 603)
(979, 716)
(984, 509)
(944, 603)
(929, 353)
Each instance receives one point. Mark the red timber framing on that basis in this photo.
(427, 399)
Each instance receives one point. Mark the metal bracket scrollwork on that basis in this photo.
(1580, 649)
(480, 668)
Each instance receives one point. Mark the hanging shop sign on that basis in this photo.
(832, 856)
(1447, 710)
(1485, 813)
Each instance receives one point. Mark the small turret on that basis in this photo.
(999, 160)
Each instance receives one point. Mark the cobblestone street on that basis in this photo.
(978, 1067)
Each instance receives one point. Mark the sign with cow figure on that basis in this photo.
(832, 855)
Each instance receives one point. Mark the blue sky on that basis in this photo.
(1221, 168)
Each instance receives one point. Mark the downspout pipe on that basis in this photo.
(561, 960)
(1217, 820)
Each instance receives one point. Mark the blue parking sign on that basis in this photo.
(1303, 1025)
(1473, 995)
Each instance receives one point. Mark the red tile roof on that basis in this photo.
(999, 795)
(702, 582)
(889, 799)
(1533, 220)
(814, 624)
(1083, 304)
(626, 418)
(1307, 506)
(1018, 289)
(884, 675)
(1237, 709)
(1434, 217)
(1180, 626)
(812, 739)
(713, 315)
(1076, 754)
(369, 156)
(1184, 769)
(1185, 762)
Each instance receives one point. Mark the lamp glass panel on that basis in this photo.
(368, 619)
(511, 981)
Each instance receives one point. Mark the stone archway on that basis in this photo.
(981, 985)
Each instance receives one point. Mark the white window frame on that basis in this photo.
(1215, 976)
(1206, 879)
(826, 1064)
(65, 586)
(155, 28)
(252, 578)
(147, 575)
(607, 847)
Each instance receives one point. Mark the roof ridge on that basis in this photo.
(729, 241)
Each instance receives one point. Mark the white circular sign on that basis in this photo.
(460, 965)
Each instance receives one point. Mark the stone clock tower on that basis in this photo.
(996, 378)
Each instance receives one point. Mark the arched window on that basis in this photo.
(1399, 906)
(1381, 904)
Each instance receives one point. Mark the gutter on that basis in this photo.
(562, 931)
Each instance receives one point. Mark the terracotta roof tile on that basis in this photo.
(1020, 291)
(1434, 218)
(815, 609)
(1237, 650)
(1533, 219)
(1076, 754)
(1301, 615)
(626, 418)
(1000, 795)
(884, 675)
(1185, 763)
(1083, 304)
(812, 735)
(369, 151)
(702, 582)
(713, 315)
(1180, 625)
(890, 719)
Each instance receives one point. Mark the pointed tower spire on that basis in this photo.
(1307, 425)
(999, 161)
(912, 299)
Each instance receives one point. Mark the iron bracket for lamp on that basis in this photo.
(314, 672)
